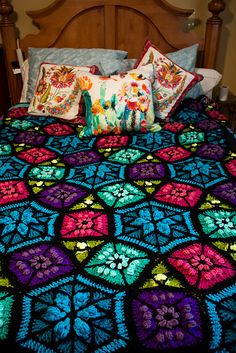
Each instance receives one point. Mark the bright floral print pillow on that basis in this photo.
(57, 91)
(172, 81)
(118, 103)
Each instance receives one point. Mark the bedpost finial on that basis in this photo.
(216, 7)
(6, 10)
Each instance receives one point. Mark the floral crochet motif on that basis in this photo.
(84, 224)
(166, 320)
(202, 266)
(118, 264)
(40, 264)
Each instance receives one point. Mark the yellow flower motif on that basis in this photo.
(124, 90)
(85, 83)
(97, 108)
(107, 104)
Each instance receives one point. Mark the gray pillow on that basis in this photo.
(67, 56)
(186, 57)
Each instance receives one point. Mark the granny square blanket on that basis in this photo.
(117, 243)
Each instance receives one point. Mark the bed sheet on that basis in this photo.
(117, 243)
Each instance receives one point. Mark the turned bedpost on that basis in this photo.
(213, 30)
(8, 33)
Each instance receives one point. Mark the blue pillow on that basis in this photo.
(114, 67)
(186, 57)
(67, 56)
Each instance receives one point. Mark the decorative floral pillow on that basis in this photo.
(172, 81)
(66, 56)
(57, 91)
(118, 103)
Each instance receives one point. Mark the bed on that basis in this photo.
(117, 183)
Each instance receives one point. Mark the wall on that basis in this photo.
(227, 50)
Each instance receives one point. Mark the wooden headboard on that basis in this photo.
(114, 24)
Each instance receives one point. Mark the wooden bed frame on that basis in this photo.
(115, 24)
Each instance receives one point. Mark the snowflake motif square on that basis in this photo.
(152, 142)
(153, 226)
(217, 137)
(61, 195)
(203, 173)
(119, 195)
(6, 303)
(166, 319)
(85, 223)
(95, 175)
(118, 264)
(187, 115)
(179, 194)
(29, 222)
(82, 317)
(12, 168)
(69, 144)
(202, 266)
(221, 308)
(40, 264)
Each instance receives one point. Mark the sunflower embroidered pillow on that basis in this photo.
(172, 82)
(118, 103)
(57, 91)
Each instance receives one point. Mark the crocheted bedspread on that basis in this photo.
(117, 243)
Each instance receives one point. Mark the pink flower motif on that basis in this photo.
(231, 166)
(215, 114)
(174, 127)
(18, 112)
(84, 224)
(167, 317)
(173, 154)
(179, 194)
(202, 266)
(201, 262)
(58, 129)
(13, 190)
(36, 155)
(112, 141)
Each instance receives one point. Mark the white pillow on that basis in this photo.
(211, 79)
(25, 77)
